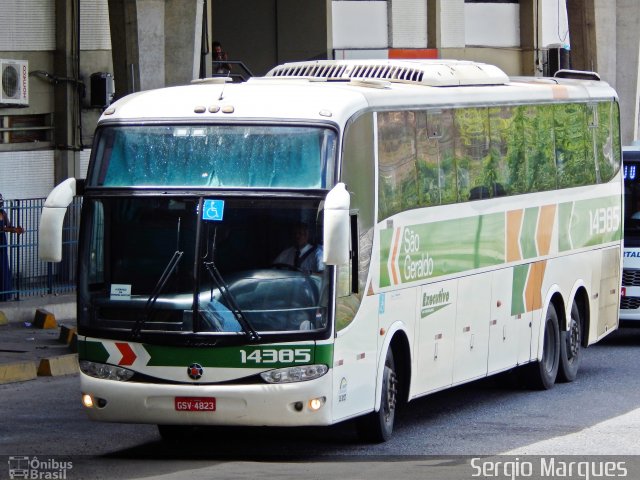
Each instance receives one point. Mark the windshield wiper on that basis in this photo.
(231, 301)
(155, 293)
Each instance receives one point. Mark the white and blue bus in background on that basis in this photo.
(630, 301)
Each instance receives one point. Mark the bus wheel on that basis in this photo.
(377, 427)
(542, 374)
(570, 350)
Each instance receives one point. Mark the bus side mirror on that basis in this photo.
(337, 233)
(51, 220)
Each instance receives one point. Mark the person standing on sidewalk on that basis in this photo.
(6, 280)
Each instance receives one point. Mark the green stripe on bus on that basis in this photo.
(528, 233)
(386, 236)
(520, 273)
(442, 248)
(446, 247)
(248, 356)
(92, 351)
(564, 222)
(590, 222)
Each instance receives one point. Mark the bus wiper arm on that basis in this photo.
(231, 301)
(155, 293)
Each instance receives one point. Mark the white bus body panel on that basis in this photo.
(505, 330)
(254, 405)
(355, 363)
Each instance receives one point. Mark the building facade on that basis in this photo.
(80, 53)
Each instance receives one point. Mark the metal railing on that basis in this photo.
(234, 69)
(22, 273)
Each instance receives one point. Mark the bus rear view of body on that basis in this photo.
(457, 223)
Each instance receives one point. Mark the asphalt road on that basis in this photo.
(598, 414)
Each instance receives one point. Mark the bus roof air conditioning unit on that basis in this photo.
(15, 83)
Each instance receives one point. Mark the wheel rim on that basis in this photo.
(573, 340)
(391, 395)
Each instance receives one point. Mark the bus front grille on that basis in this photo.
(629, 303)
(631, 278)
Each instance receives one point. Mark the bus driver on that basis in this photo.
(301, 255)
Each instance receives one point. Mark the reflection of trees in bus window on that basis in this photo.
(591, 139)
(574, 167)
(615, 122)
(443, 156)
(495, 171)
(446, 156)
(517, 179)
(436, 158)
(427, 162)
(472, 145)
(607, 149)
(397, 157)
(539, 148)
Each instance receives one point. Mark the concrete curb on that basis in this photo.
(18, 372)
(56, 366)
(47, 367)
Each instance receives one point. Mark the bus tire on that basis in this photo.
(377, 427)
(570, 347)
(541, 375)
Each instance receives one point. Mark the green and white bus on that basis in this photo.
(469, 223)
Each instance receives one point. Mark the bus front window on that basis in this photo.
(153, 263)
(229, 156)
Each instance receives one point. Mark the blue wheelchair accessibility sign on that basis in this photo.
(213, 210)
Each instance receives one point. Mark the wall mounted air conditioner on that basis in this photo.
(15, 83)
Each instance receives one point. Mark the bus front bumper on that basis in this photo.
(291, 404)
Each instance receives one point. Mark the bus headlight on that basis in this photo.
(104, 371)
(294, 374)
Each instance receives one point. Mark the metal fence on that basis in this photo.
(24, 274)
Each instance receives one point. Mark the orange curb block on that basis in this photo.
(44, 319)
(55, 366)
(67, 334)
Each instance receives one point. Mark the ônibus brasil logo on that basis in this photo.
(35, 468)
(432, 302)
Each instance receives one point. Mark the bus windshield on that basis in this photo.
(631, 162)
(234, 156)
(153, 263)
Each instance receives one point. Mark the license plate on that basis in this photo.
(195, 404)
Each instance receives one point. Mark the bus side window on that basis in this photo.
(607, 143)
(575, 167)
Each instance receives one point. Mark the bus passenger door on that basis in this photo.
(503, 327)
(435, 337)
(472, 328)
